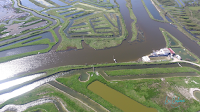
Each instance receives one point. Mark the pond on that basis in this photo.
(31, 5)
(47, 35)
(197, 94)
(21, 50)
(172, 42)
(116, 98)
(84, 77)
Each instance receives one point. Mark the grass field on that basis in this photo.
(148, 92)
(195, 8)
(150, 71)
(133, 24)
(184, 54)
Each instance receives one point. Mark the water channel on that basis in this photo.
(152, 9)
(125, 52)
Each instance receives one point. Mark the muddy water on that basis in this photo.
(121, 101)
(153, 39)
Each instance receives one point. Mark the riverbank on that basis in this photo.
(165, 33)
(151, 16)
(125, 87)
(77, 85)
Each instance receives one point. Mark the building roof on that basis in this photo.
(165, 50)
(171, 51)
(145, 58)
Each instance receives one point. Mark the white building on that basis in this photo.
(165, 51)
(145, 59)
(178, 57)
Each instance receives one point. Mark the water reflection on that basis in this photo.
(18, 81)
(27, 88)
(11, 68)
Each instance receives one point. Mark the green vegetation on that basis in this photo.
(150, 71)
(106, 4)
(97, 43)
(32, 23)
(184, 54)
(77, 11)
(195, 8)
(44, 41)
(174, 43)
(38, 4)
(20, 44)
(133, 17)
(170, 40)
(195, 32)
(64, 10)
(47, 107)
(71, 103)
(18, 10)
(22, 18)
(81, 87)
(188, 17)
(167, 2)
(2, 28)
(85, 7)
(148, 92)
(152, 92)
(83, 14)
(51, 2)
(66, 42)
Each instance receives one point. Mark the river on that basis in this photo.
(123, 53)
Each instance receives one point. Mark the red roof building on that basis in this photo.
(172, 52)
